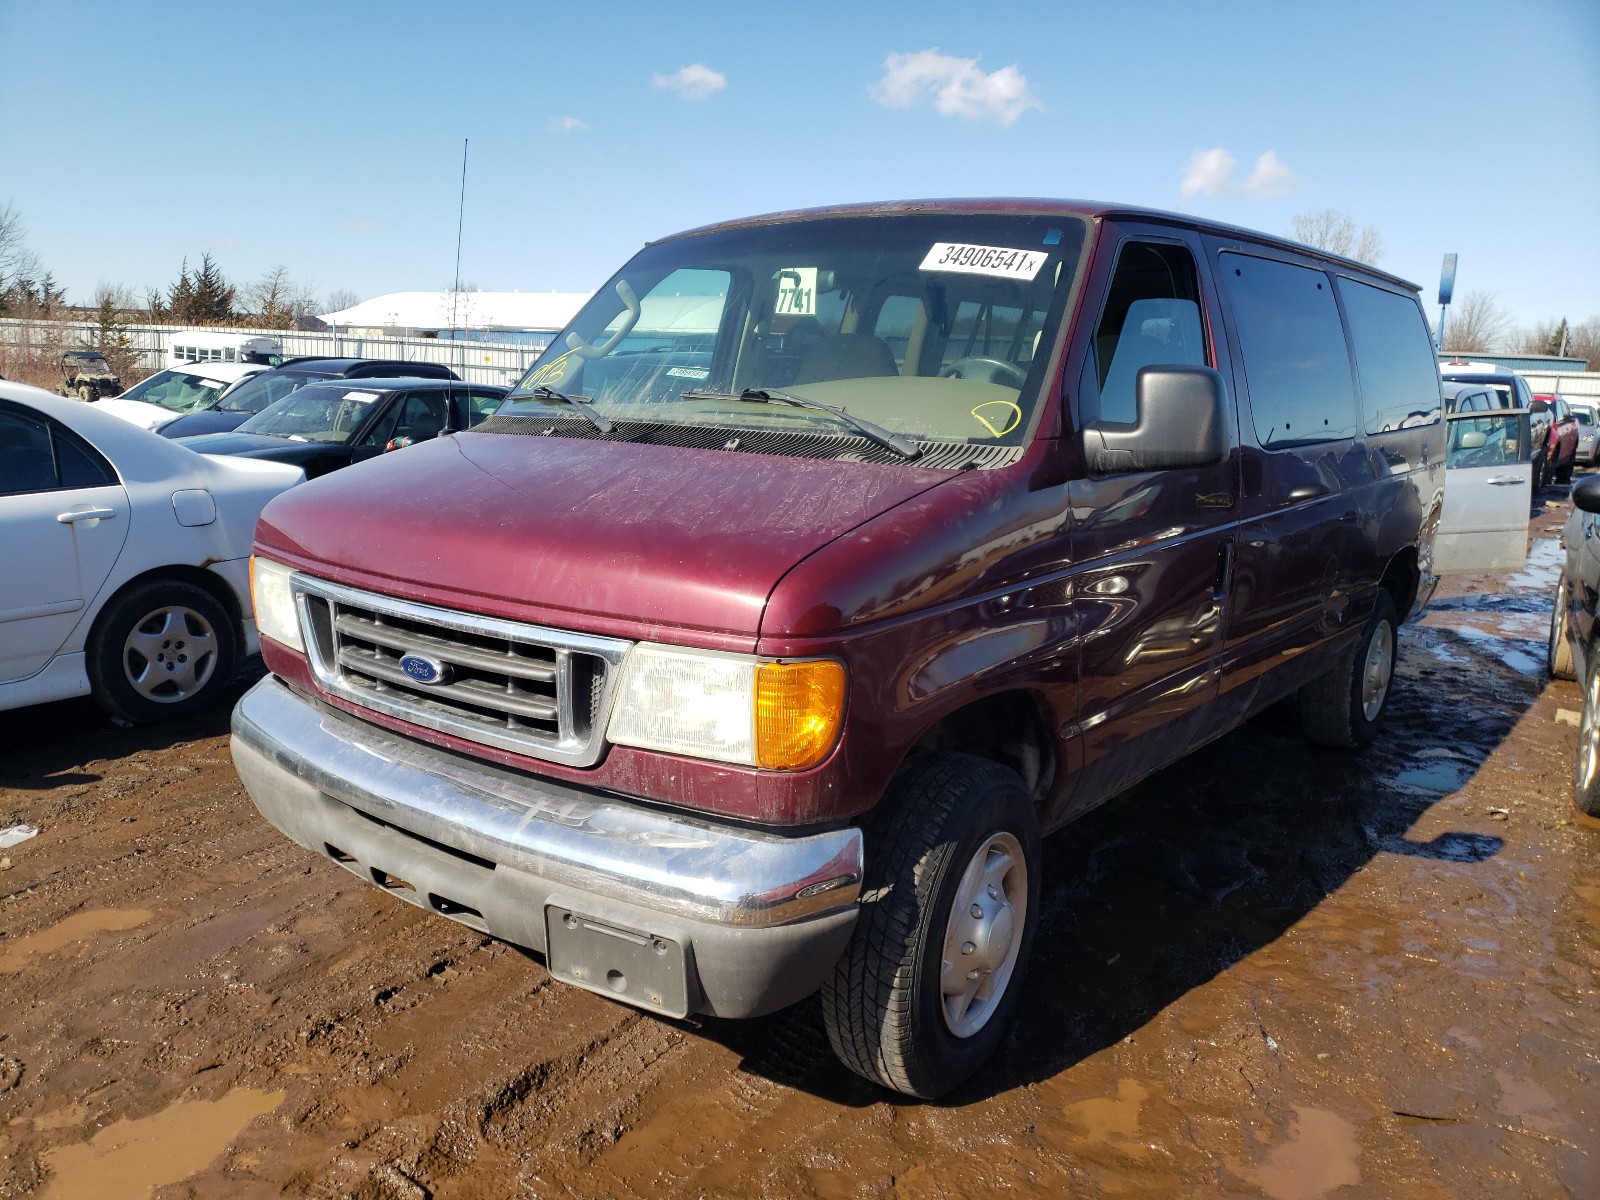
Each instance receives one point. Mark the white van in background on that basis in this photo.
(218, 346)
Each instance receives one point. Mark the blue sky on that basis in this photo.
(327, 137)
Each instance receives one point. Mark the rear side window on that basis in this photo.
(1394, 358)
(38, 455)
(1295, 360)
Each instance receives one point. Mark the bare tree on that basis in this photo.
(16, 260)
(1336, 232)
(266, 301)
(1476, 322)
(1584, 342)
(342, 298)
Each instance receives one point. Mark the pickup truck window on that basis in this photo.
(932, 327)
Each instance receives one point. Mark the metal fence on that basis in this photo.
(477, 362)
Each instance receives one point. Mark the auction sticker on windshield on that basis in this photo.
(1003, 261)
(363, 397)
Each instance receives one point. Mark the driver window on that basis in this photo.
(1151, 317)
(418, 417)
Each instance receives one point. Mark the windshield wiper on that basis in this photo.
(898, 442)
(579, 406)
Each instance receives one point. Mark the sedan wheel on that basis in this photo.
(161, 652)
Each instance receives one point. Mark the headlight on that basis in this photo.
(276, 616)
(783, 716)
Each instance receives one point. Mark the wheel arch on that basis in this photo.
(1010, 727)
(1401, 580)
(208, 581)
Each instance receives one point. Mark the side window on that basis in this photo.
(37, 455)
(79, 464)
(418, 416)
(1295, 359)
(26, 462)
(474, 406)
(1152, 317)
(1394, 357)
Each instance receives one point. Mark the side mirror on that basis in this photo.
(1539, 406)
(1472, 440)
(1586, 494)
(1181, 421)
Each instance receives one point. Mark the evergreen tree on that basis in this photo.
(1557, 341)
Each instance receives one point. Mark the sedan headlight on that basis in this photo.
(783, 716)
(276, 615)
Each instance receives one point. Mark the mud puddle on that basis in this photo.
(1270, 971)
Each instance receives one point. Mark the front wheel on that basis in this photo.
(162, 652)
(925, 990)
(1564, 473)
(1344, 707)
(1586, 780)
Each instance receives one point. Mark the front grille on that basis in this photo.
(524, 688)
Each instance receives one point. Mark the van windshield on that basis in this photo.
(934, 327)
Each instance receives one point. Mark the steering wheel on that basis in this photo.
(988, 370)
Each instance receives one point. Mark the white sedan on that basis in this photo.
(168, 395)
(124, 560)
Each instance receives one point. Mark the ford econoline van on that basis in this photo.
(723, 668)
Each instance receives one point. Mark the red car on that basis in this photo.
(1561, 451)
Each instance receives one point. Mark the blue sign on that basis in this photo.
(1447, 279)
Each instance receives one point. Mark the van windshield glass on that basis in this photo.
(934, 326)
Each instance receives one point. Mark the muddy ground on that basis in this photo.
(1269, 971)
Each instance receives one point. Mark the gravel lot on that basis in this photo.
(1268, 971)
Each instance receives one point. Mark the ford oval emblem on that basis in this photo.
(423, 670)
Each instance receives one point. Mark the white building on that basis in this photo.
(473, 316)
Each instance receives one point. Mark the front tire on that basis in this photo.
(162, 652)
(1586, 779)
(1558, 650)
(1344, 707)
(926, 988)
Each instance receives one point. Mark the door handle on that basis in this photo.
(1506, 480)
(85, 514)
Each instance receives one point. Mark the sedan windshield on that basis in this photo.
(929, 327)
(177, 391)
(315, 414)
(255, 393)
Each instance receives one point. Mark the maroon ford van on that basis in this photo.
(825, 562)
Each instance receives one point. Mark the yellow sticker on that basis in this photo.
(1016, 416)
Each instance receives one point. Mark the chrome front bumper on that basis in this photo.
(758, 919)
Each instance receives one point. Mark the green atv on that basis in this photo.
(87, 374)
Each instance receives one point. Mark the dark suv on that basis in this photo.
(239, 403)
(727, 665)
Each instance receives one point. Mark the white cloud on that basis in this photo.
(957, 87)
(695, 82)
(360, 224)
(225, 243)
(566, 125)
(1207, 173)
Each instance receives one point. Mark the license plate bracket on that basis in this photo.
(645, 969)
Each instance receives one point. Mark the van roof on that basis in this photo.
(1025, 206)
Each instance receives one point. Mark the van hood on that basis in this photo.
(608, 537)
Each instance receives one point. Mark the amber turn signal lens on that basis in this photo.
(798, 709)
